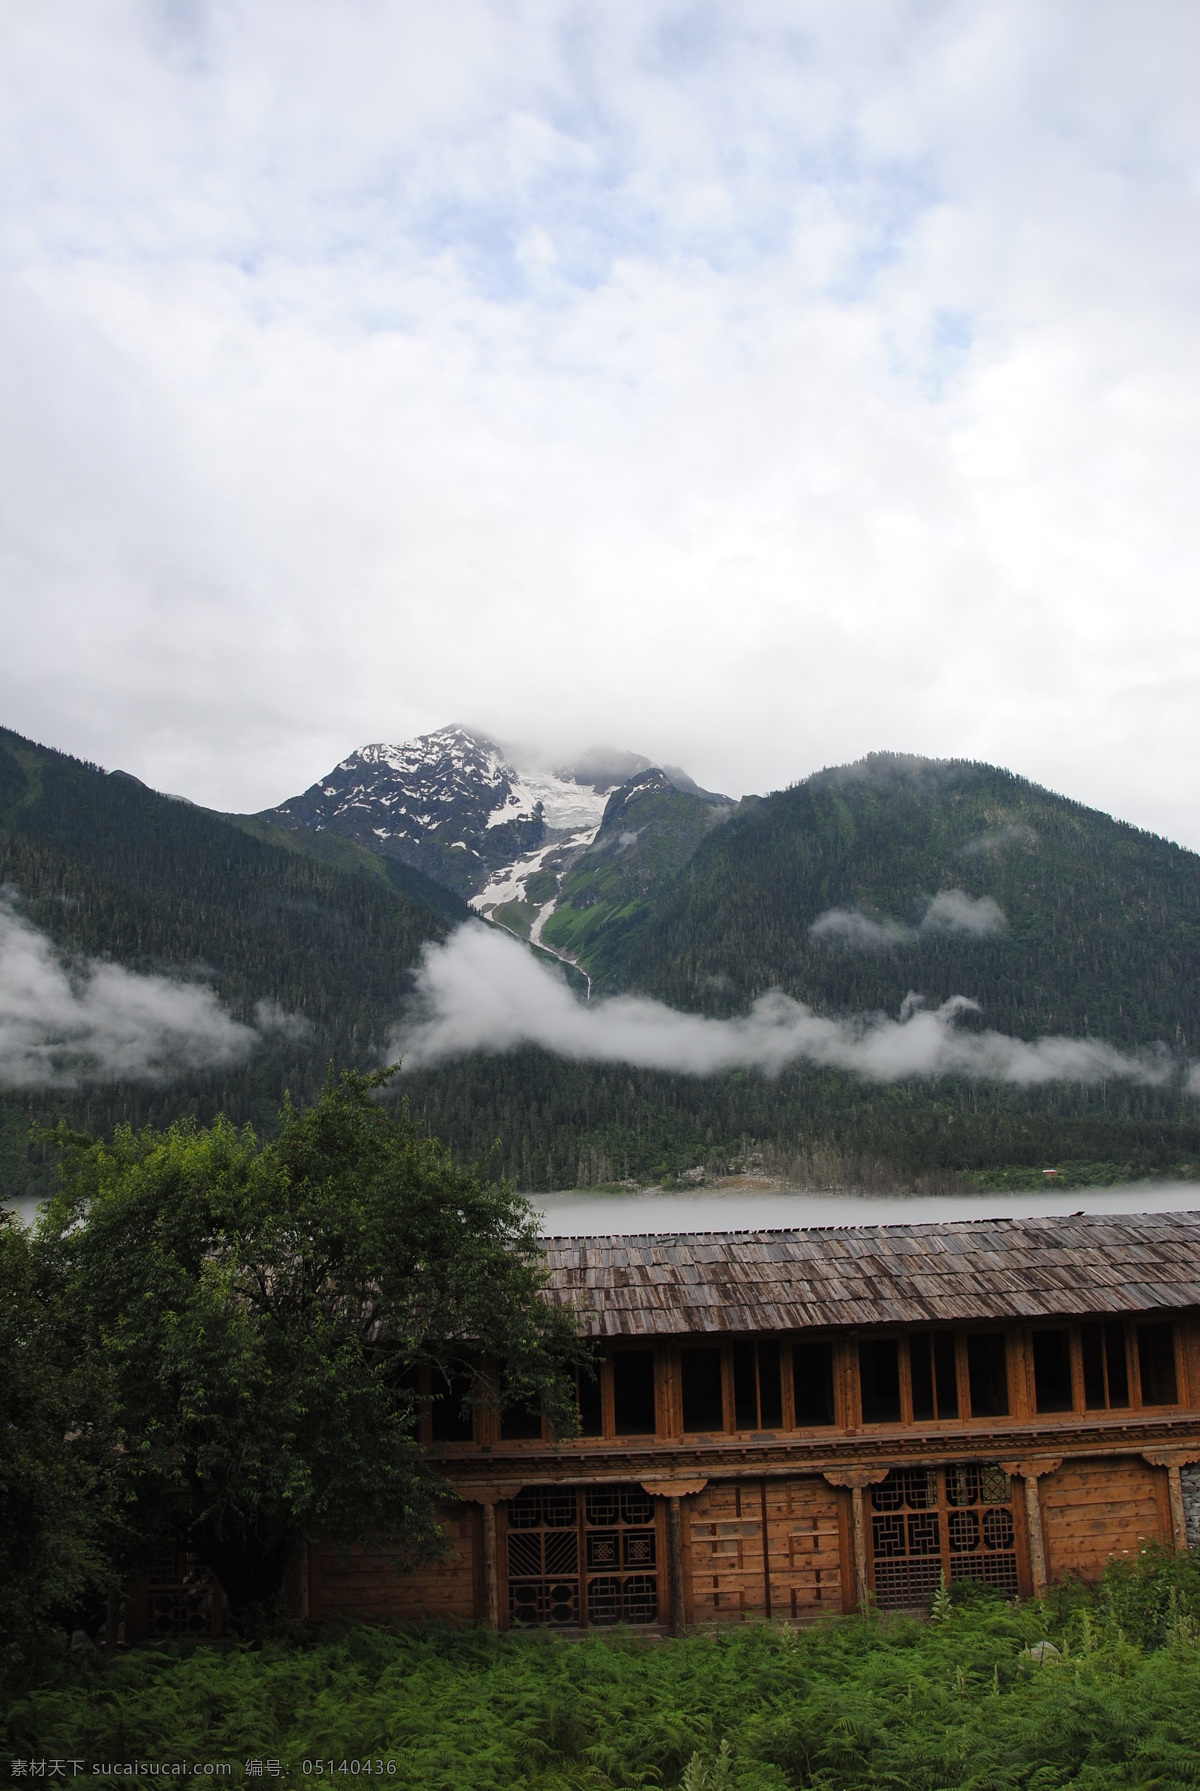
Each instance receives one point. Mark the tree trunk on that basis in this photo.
(251, 1568)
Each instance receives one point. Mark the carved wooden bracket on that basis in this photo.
(856, 1477)
(1171, 1458)
(488, 1495)
(1033, 1467)
(672, 1489)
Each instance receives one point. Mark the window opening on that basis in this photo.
(543, 1556)
(588, 1398)
(700, 1386)
(450, 1422)
(1105, 1366)
(930, 1522)
(879, 1379)
(633, 1392)
(1052, 1371)
(520, 1421)
(183, 1599)
(757, 1386)
(770, 1387)
(812, 1382)
(621, 1552)
(585, 1557)
(933, 1373)
(987, 1369)
(1156, 1364)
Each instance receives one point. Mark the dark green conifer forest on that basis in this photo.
(1098, 936)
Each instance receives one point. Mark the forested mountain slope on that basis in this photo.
(651, 827)
(850, 890)
(943, 877)
(111, 870)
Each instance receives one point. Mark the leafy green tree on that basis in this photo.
(55, 1446)
(262, 1310)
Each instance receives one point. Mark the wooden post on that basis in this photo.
(675, 1559)
(1031, 1471)
(1037, 1537)
(675, 1491)
(112, 1622)
(859, 1520)
(856, 1479)
(1178, 1514)
(491, 1573)
(1173, 1460)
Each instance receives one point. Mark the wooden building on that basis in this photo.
(789, 1423)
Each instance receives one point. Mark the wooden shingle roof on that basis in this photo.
(662, 1285)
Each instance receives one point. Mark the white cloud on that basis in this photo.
(1011, 836)
(953, 911)
(861, 932)
(61, 1026)
(482, 992)
(271, 1017)
(950, 911)
(782, 381)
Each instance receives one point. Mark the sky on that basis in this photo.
(749, 385)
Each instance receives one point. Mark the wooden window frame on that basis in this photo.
(626, 1347)
(1133, 1369)
(1134, 1359)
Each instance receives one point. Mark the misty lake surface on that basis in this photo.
(582, 1214)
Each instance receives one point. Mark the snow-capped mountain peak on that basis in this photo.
(452, 804)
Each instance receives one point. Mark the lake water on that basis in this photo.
(581, 1214)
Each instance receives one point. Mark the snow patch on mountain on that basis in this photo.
(456, 806)
(567, 806)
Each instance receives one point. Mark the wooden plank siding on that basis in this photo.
(764, 1548)
(361, 1584)
(1094, 1509)
(806, 1545)
(728, 1560)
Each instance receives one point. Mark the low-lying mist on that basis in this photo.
(480, 991)
(64, 1023)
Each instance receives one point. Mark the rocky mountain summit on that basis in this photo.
(452, 805)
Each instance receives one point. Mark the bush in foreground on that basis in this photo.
(967, 1700)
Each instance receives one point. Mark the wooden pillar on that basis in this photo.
(675, 1563)
(1173, 1460)
(491, 1568)
(859, 1523)
(1037, 1537)
(487, 1498)
(1178, 1514)
(675, 1491)
(1030, 1471)
(112, 1622)
(857, 1479)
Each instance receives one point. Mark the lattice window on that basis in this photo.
(587, 1557)
(955, 1522)
(182, 1598)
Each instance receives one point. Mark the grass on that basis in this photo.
(958, 1701)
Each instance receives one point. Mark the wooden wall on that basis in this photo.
(759, 1548)
(1097, 1508)
(359, 1585)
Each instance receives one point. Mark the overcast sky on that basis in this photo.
(753, 385)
